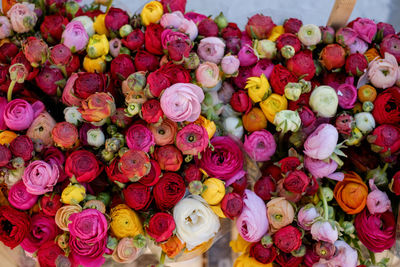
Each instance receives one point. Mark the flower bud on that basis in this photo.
(267, 241)
(214, 191)
(133, 109)
(355, 137)
(72, 7)
(348, 227)
(95, 137)
(288, 51)
(234, 126)
(115, 47)
(287, 120)
(18, 72)
(265, 48)
(125, 30)
(98, 46)
(195, 187)
(191, 62)
(368, 106)
(72, 115)
(328, 193)
(107, 155)
(379, 176)
(18, 163)
(221, 21)
(293, 91)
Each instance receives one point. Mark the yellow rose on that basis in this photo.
(151, 13)
(272, 105)
(209, 125)
(239, 245)
(217, 210)
(125, 222)
(214, 191)
(73, 194)
(6, 137)
(97, 65)
(258, 88)
(100, 25)
(246, 261)
(276, 32)
(98, 46)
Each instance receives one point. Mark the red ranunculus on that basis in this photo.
(52, 28)
(121, 67)
(14, 226)
(169, 158)
(240, 185)
(152, 39)
(84, 165)
(231, 31)
(333, 56)
(386, 137)
(154, 175)
(50, 204)
(151, 111)
(288, 39)
(274, 171)
(280, 77)
(356, 64)
(287, 239)
(192, 173)
(5, 155)
(174, 5)
(20, 58)
(89, 83)
(145, 61)
(244, 73)
(157, 82)
(22, 146)
(292, 25)
(176, 73)
(161, 226)
(169, 190)
(208, 28)
(178, 49)
(8, 52)
(265, 187)
(296, 182)
(395, 185)
(116, 18)
(232, 205)
(289, 164)
(137, 196)
(259, 26)
(47, 80)
(387, 106)
(48, 254)
(262, 253)
(241, 102)
(134, 40)
(302, 65)
(287, 259)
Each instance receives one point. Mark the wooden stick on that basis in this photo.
(340, 13)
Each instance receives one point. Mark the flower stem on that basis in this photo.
(10, 90)
(325, 203)
(385, 167)
(372, 255)
(162, 258)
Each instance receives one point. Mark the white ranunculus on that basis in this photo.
(324, 101)
(365, 122)
(309, 34)
(87, 23)
(287, 120)
(95, 137)
(195, 221)
(72, 115)
(234, 126)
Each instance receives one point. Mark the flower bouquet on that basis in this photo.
(121, 132)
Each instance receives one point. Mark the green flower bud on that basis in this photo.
(288, 51)
(125, 30)
(221, 21)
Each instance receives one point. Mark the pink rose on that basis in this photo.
(322, 142)
(383, 73)
(181, 102)
(252, 223)
(320, 169)
(344, 256)
(5, 27)
(211, 49)
(307, 216)
(75, 36)
(366, 29)
(22, 16)
(377, 201)
(89, 225)
(260, 145)
(139, 137)
(230, 64)
(207, 74)
(40, 177)
(20, 198)
(19, 114)
(324, 231)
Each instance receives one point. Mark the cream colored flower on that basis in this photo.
(280, 213)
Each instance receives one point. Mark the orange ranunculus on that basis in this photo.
(6, 137)
(255, 120)
(7, 4)
(197, 251)
(372, 54)
(351, 193)
(97, 108)
(172, 247)
(164, 133)
(65, 134)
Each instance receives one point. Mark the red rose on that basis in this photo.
(47, 80)
(192, 173)
(208, 28)
(157, 81)
(243, 74)
(240, 185)
(265, 187)
(89, 83)
(356, 64)
(145, 61)
(161, 226)
(137, 196)
(169, 158)
(333, 56)
(151, 111)
(280, 77)
(22, 146)
(5, 155)
(262, 253)
(134, 40)
(296, 182)
(52, 28)
(174, 5)
(8, 52)
(241, 102)
(287, 259)
(292, 25)
(154, 175)
(302, 65)
(152, 39)
(83, 165)
(232, 205)
(395, 184)
(231, 31)
(116, 18)
(178, 49)
(14, 226)
(176, 73)
(287, 239)
(169, 190)
(289, 164)
(259, 26)
(50, 204)
(288, 39)
(387, 106)
(385, 137)
(121, 67)
(48, 254)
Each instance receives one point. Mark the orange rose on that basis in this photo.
(65, 134)
(255, 120)
(351, 193)
(97, 108)
(172, 247)
(6, 137)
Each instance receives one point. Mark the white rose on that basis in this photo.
(324, 101)
(72, 115)
(287, 120)
(365, 122)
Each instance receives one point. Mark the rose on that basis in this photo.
(145, 61)
(192, 139)
(137, 196)
(169, 157)
(207, 75)
(83, 165)
(262, 254)
(161, 226)
(280, 77)
(376, 231)
(22, 17)
(356, 64)
(287, 239)
(232, 205)
(63, 214)
(125, 252)
(169, 190)
(42, 229)
(14, 226)
(345, 256)
(306, 216)
(324, 100)
(152, 39)
(386, 137)
(260, 145)
(89, 225)
(116, 18)
(230, 65)
(309, 34)
(20, 198)
(377, 201)
(164, 133)
(50, 204)
(302, 65)
(211, 49)
(19, 114)
(75, 36)
(40, 177)
(351, 193)
(390, 45)
(48, 253)
(324, 231)
(333, 56)
(365, 28)
(259, 26)
(322, 142)
(240, 101)
(225, 161)
(139, 137)
(280, 213)
(125, 222)
(386, 106)
(320, 169)
(383, 73)
(186, 215)
(181, 102)
(87, 254)
(22, 146)
(121, 67)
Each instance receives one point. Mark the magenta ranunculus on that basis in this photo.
(89, 225)
(75, 36)
(260, 145)
(252, 223)
(377, 200)
(181, 102)
(263, 66)
(366, 28)
(3, 104)
(320, 169)
(40, 177)
(87, 254)
(246, 56)
(347, 95)
(20, 198)
(359, 46)
(19, 114)
(139, 137)
(168, 35)
(324, 231)
(322, 142)
(211, 49)
(192, 139)
(346, 36)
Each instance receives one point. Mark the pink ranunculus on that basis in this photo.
(40, 177)
(230, 64)
(89, 225)
(192, 139)
(260, 145)
(189, 28)
(211, 49)
(22, 16)
(307, 216)
(359, 46)
(377, 200)
(87, 254)
(383, 73)
(19, 114)
(320, 169)
(69, 98)
(181, 102)
(346, 36)
(207, 74)
(366, 28)
(324, 231)
(75, 36)
(172, 20)
(195, 17)
(5, 27)
(139, 137)
(3, 104)
(347, 94)
(252, 223)
(41, 128)
(344, 256)
(322, 142)
(263, 66)
(20, 198)
(246, 56)
(168, 35)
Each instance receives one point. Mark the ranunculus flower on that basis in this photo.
(145, 61)
(133, 165)
(280, 77)
(302, 65)
(346, 36)
(49, 253)
(151, 13)
(87, 254)
(164, 133)
(35, 51)
(19, 114)
(121, 67)
(169, 157)
(322, 142)
(22, 146)
(75, 36)
(356, 64)
(207, 27)
(320, 168)
(292, 25)
(192, 139)
(287, 120)
(333, 56)
(189, 227)
(207, 75)
(52, 28)
(351, 193)
(240, 101)
(5, 27)
(252, 223)
(161, 226)
(230, 64)
(386, 137)
(65, 134)
(232, 205)
(172, 20)
(14, 226)
(347, 94)
(22, 17)
(377, 200)
(40, 177)
(5, 155)
(345, 256)
(296, 181)
(390, 45)
(385, 29)
(260, 145)
(20, 198)
(324, 100)
(152, 39)
(265, 187)
(214, 191)
(262, 254)
(73, 194)
(324, 231)
(241, 79)
(50, 204)
(376, 231)
(280, 213)
(288, 39)
(395, 184)
(181, 102)
(272, 105)
(387, 106)
(97, 108)
(259, 26)
(263, 66)
(116, 18)
(306, 216)
(169, 190)
(365, 28)
(309, 34)
(83, 165)
(359, 46)
(384, 72)
(365, 121)
(247, 56)
(126, 252)
(139, 137)
(211, 49)
(125, 222)
(287, 239)
(47, 79)
(89, 225)
(60, 55)
(137, 196)
(63, 214)
(7, 52)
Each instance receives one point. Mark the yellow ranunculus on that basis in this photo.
(73, 194)
(197, 251)
(355, 137)
(209, 125)
(151, 13)
(239, 245)
(246, 261)
(258, 88)
(100, 25)
(217, 210)
(276, 32)
(6, 137)
(214, 191)
(125, 222)
(97, 65)
(98, 46)
(265, 48)
(272, 105)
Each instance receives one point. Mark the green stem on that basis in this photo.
(10, 90)
(109, 6)
(372, 256)
(162, 258)
(325, 204)
(385, 167)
